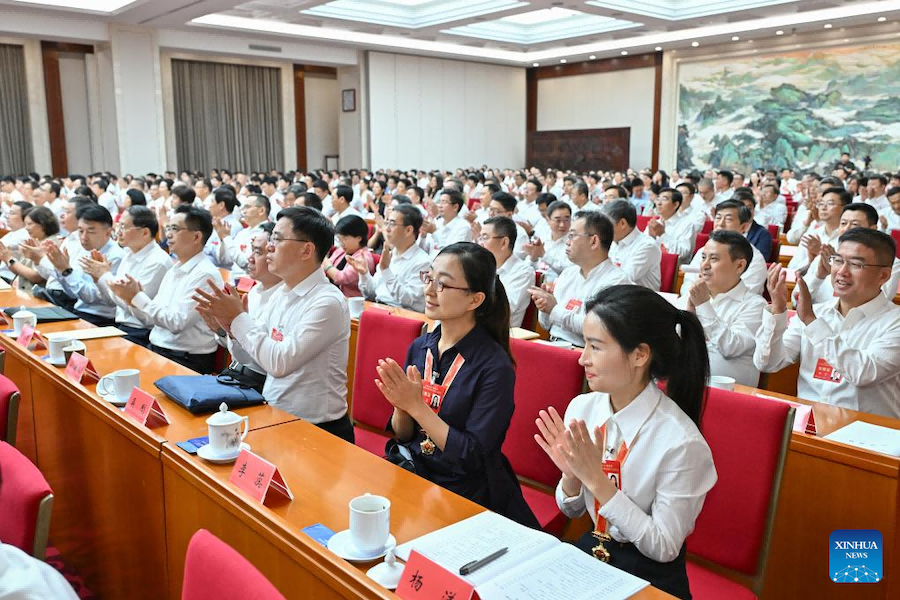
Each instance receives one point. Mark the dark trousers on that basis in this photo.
(342, 428)
(95, 319)
(201, 363)
(57, 297)
(135, 335)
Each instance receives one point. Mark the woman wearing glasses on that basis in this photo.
(454, 401)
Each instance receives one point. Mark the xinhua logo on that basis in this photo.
(855, 556)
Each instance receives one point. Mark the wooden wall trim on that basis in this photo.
(531, 89)
(59, 164)
(67, 47)
(605, 65)
(317, 70)
(657, 110)
(300, 115)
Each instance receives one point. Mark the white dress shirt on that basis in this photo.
(665, 476)
(754, 277)
(723, 196)
(801, 259)
(857, 357)
(302, 344)
(108, 201)
(698, 204)
(347, 212)
(529, 211)
(455, 230)
(12, 239)
(176, 323)
(400, 283)
(148, 265)
(82, 287)
(730, 322)
(517, 276)
(258, 307)
(821, 290)
(236, 249)
(23, 577)
(773, 213)
(893, 220)
(555, 259)
(680, 235)
(880, 203)
(798, 225)
(72, 246)
(639, 258)
(572, 292)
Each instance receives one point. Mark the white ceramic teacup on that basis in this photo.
(356, 306)
(225, 434)
(21, 317)
(370, 523)
(722, 382)
(73, 347)
(123, 383)
(57, 344)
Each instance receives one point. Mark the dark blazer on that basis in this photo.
(760, 237)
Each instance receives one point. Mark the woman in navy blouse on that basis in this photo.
(454, 402)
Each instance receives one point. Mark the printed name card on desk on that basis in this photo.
(804, 418)
(80, 369)
(424, 579)
(256, 476)
(28, 335)
(145, 409)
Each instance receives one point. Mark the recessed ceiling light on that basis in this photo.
(695, 44)
(624, 52)
(827, 25)
(593, 57)
(535, 64)
(846, 39)
(749, 41)
(779, 32)
(658, 48)
(882, 19)
(735, 38)
(562, 60)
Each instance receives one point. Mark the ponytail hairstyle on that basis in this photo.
(480, 269)
(634, 315)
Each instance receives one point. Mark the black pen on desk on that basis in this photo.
(473, 566)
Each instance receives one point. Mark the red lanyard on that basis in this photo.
(433, 394)
(613, 470)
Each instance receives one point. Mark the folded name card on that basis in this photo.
(256, 476)
(145, 409)
(81, 370)
(804, 418)
(424, 579)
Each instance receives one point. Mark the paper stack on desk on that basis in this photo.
(868, 437)
(537, 566)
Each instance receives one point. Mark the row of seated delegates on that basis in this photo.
(547, 252)
(562, 309)
(352, 233)
(498, 235)
(236, 249)
(301, 341)
(634, 340)
(39, 224)
(504, 204)
(729, 311)
(825, 230)
(464, 372)
(769, 211)
(632, 250)
(675, 227)
(807, 219)
(732, 215)
(848, 348)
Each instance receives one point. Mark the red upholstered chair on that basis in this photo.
(381, 335)
(668, 271)
(702, 238)
(545, 376)
(213, 569)
(642, 221)
(895, 233)
(749, 439)
(776, 250)
(376, 258)
(707, 226)
(27, 502)
(529, 320)
(9, 410)
(774, 231)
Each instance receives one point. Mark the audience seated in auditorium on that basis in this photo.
(449, 227)
(825, 231)
(40, 225)
(673, 229)
(632, 250)
(352, 233)
(498, 235)
(756, 234)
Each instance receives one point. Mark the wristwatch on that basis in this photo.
(11, 262)
(67, 272)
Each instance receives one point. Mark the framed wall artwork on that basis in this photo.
(348, 100)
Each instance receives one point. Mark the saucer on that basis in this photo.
(111, 398)
(56, 363)
(342, 545)
(205, 452)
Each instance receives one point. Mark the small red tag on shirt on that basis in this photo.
(613, 470)
(573, 304)
(826, 372)
(277, 335)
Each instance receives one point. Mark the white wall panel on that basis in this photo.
(76, 112)
(323, 105)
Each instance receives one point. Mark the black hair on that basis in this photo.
(83, 190)
(596, 223)
(24, 206)
(879, 242)
(312, 200)
(508, 201)
(729, 175)
(880, 178)
(504, 227)
(226, 196)
(94, 213)
(494, 187)
(55, 188)
(480, 269)
(268, 226)
(345, 192)
(893, 191)
(744, 215)
(412, 217)
(43, 216)
(137, 197)
(455, 196)
(261, 198)
(296, 189)
(676, 195)
(843, 195)
(353, 226)
(545, 198)
(621, 209)
(868, 209)
(320, 185)
(187, 195)
(313, 225)
(688, 185)
(634, 315)
(144, 217)
(738, 245)
(196, 219)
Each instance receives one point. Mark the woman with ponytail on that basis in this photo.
(630, 454)
(454, 401)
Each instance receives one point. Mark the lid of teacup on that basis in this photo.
(23, 313)
(223, 417)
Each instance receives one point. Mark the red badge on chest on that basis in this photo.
(826, 372)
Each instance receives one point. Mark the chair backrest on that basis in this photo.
(668, 271)
(529, 320)
(376, 258)
(748, 437)
(642, 221)
(545, 376)
(213, 569)
(9, 410)
(707, 226)
(776, 250)
(895, 233)
(27, 502)
(381, 335)
(702, 238)
(774, 231)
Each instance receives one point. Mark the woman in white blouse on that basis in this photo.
(631, 455)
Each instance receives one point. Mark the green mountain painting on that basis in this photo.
(798, 109)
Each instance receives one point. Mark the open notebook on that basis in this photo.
(537, 566)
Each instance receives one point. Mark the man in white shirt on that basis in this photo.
(877, 188)
(225, 224)
(50, 193)
(504, 205)
(889, 218)
(303, 340)
(848, 347)
(144, 260)
(818, 276)
(562, 312)
(104, 198)
(705, 200)
(276, 199)
(483, 212)
(580, 198)
(15, 221)
(640, 197)
(632, 250)
(674, 229)
(729, 312)
(732, 215)
(340, 202)
(449, 228)
(498, 235)
(527, 210)
(770, 212)
(178, 332)
(203, 193)
(547, 253)
(724, 191)
(825, 231)
(320, 189)
(236, 249)
(397, 281)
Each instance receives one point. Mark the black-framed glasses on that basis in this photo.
(275, 239)
(439, 286)
(837, 261)
(572, 235)
(174, 228)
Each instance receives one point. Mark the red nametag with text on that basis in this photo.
(256, 476)
(40, 342)
(433, 395)
(613, 470)
(245, 284)
(573, 304)
(145, 409)
(826, 372)
(25, 337)
(277, 335)
(424, 579)
(80, 369)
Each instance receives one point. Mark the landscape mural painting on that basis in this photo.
(796, 109)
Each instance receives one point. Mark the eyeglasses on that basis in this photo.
(855, 266)
(826, 204)
(174, 228)
(439, 286)
(275, 239)
(485, 237)
(391, 223)
(572, 235)
(561, 221)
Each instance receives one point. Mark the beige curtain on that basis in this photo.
(227, 116)
(16, 157)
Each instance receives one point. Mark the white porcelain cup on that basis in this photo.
(225, 433)
(73, 347)
(370, 523)
(20, 318)
(121, 383)
(356, 306)
(722, 382)
(57, 344)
